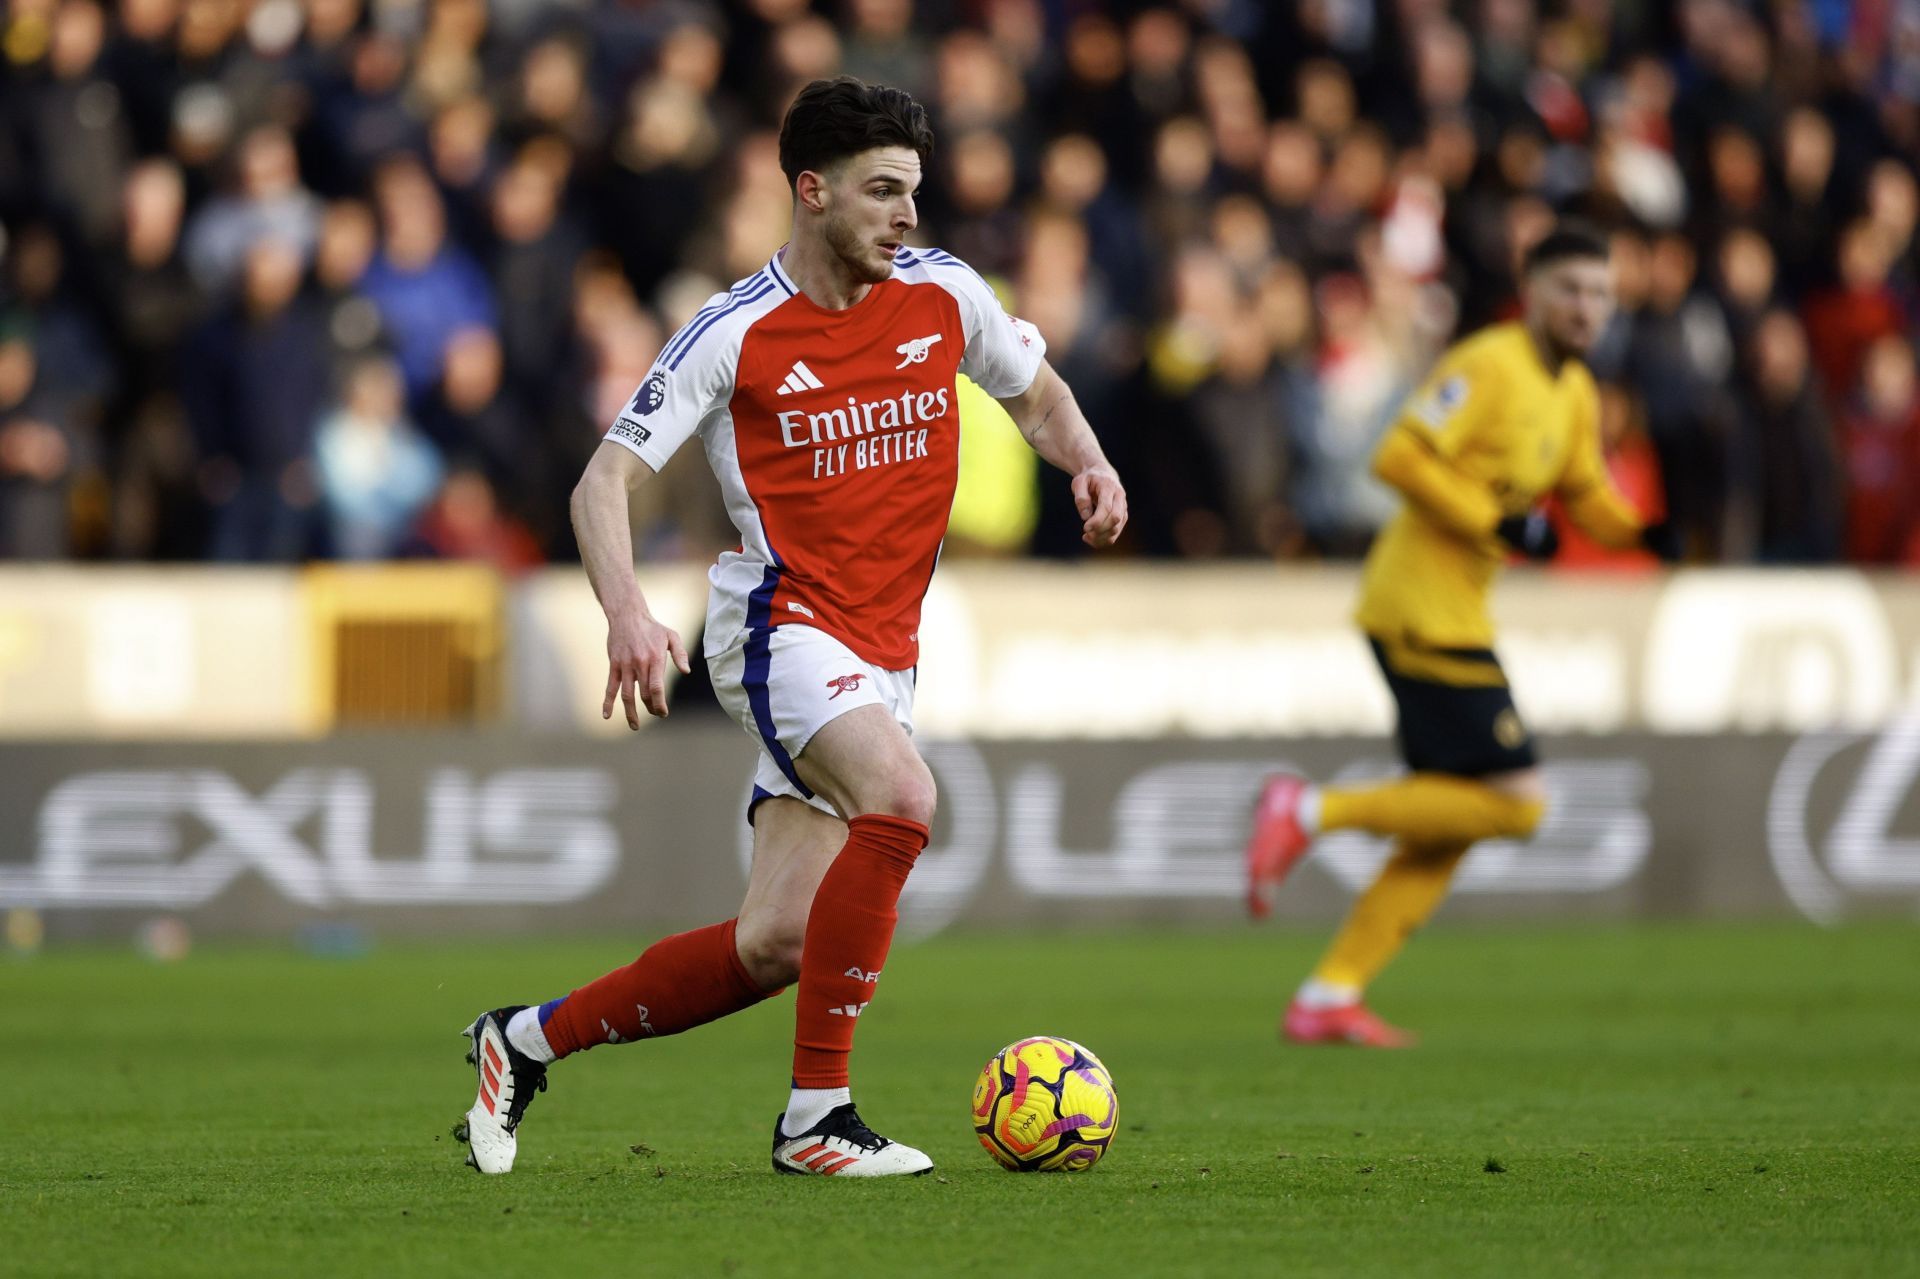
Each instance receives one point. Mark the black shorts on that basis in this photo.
(1456, 711)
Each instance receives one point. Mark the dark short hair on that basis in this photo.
(1568, 240)
(834, 119)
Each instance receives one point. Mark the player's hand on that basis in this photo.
(638, 650)
(1102, 502)
(1532, 535)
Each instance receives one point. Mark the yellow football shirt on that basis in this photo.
(1491, 433)
(995, 501)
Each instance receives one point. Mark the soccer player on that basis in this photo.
(823, 390)
(1508, 416)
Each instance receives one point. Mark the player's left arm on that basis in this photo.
(1587, 492)
(1050, 419)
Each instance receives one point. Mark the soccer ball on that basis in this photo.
(1045, 1105)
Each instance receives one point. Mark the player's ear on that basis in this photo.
(810, 190)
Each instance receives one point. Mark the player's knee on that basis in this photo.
(1524, 817)
(769, 946)
(1523, 803)
(907, 793)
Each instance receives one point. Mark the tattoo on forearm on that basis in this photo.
(1034, 432)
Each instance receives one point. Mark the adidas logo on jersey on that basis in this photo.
(800, 378)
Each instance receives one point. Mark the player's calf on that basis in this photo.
(770, 948)
(1526, 799)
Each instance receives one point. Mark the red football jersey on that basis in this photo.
(836, 439)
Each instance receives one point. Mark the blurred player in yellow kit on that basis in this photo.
(1508, 417)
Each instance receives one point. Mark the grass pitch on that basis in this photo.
(1663, 1101)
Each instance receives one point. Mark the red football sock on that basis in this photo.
(848, 932)
(682, 981)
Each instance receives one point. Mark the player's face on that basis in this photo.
(1570, 301)
(870, 209)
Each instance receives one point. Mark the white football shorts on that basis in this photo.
(786, 684)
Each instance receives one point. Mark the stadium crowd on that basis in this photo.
(368, 278)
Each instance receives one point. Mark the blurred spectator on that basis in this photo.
(464, 159)
(1634, 154)
(425, 288)
(1091, 96)
(1737, 191)
(1178, 196)
(1744, 279)
(77, 126)
(1842, 322)
(36, 458)
(140, 61)
(1089, 341)
(1787, 479)
(883, 48)
(361, 116)
(1290, 178)
(1880, 442)
(150, 301)
(446, 63)
(977, 90)
(1730, 52)
(465, 522)
(1245, 229)
(1804, 230)
(983, 227)
(472, 422)
(1893, 204)
(58, 381)
(348, 239)
(268, 200)
(1074, 180)
(804, 47)
(43, 295)
(376, 472)
(150, 306)
(254, 382)
(1360, 383)
(534, 252)
(1678, 360)
(668, 147)
(553, 95)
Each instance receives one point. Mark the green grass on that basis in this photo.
(1679, 1100)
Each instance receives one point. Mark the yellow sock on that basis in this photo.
(1410, 888)
(1430, 808)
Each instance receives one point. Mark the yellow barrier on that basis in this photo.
(404, 645)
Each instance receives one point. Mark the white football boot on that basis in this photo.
(841, 1146)
(508, 1080)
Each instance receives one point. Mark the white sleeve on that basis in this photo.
(1003, 353)
(692, 378)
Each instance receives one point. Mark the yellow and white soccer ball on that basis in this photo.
(1045, 1105)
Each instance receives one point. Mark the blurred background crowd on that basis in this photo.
(284, 279)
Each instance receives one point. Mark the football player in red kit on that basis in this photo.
(822, 389)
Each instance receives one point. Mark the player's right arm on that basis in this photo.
(1586, 490)
(1416, 457)
(639, 646)
(692, 378)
